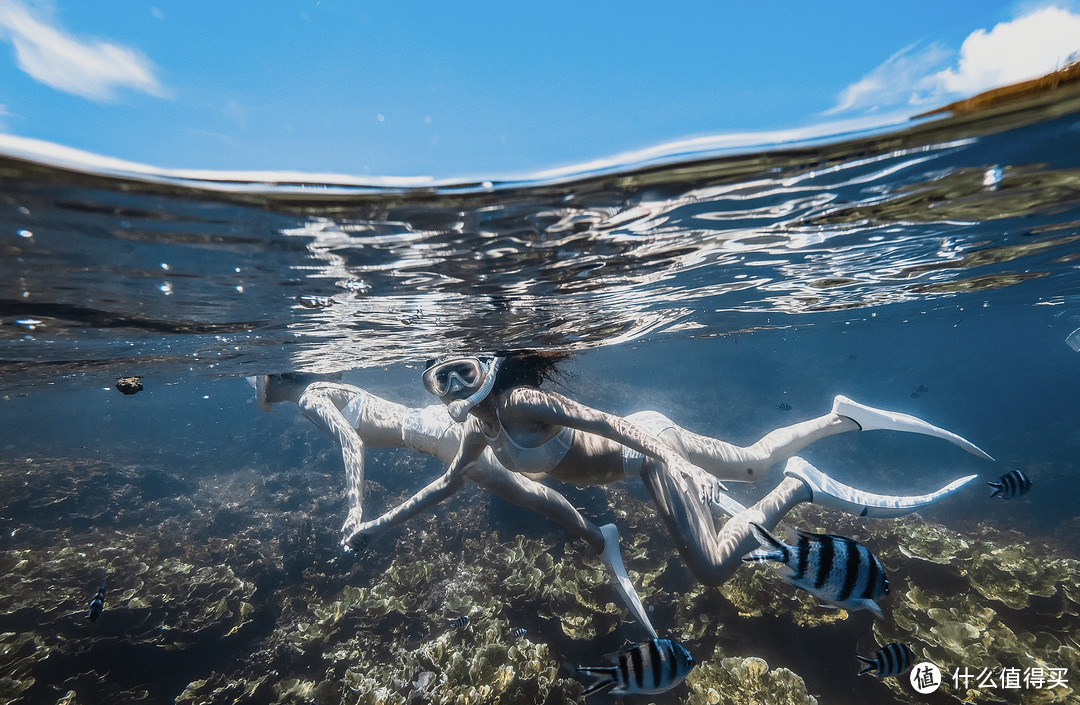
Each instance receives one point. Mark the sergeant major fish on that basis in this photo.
(890, 660)
(1011, 485)
(97, 603)
(654, 666)
(460, 622)
(835, 569)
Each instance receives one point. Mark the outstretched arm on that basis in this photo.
(472, 446)
(435, 492)
(549, 407)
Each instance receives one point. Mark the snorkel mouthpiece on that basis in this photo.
(459, 410)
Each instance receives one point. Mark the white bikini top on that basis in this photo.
(542, 458)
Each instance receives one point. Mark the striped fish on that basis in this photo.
(835, 569)
(97, 603)
(519, 632)
(1011, 485)
(650, 667)
(460, 622)
(890, 660)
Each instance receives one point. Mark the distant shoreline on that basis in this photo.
(1010, 93)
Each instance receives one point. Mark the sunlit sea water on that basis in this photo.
(930, 270)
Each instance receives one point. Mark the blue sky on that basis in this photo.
(490, 89)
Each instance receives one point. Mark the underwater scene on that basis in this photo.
(171, 519)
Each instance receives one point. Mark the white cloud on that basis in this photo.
(905, 77)
(1031, 45)
(91, 69)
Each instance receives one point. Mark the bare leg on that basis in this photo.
(356, 420)
(523, 492)
(746, 464)
(713, 555)
(730, 462)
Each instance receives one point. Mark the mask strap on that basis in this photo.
(459, 409)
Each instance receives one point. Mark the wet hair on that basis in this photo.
(529, 369)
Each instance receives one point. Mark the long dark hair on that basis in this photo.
(525, 368)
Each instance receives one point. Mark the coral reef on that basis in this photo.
(228, 594)
(481, 665)
(721, 680)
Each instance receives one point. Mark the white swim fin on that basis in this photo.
(612, 558)
(871, 419)
(828, 492)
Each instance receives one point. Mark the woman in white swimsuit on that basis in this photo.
(501, 430)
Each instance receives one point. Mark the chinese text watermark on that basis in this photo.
(926, 678)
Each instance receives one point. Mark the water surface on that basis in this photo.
(929, 269)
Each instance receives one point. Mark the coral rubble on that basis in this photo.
(228, 594)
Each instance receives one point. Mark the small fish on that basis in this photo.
(835, 569)
(460, 622)
(890, 660)
(784, 406)
(519, 632)
(97, 603)
(1011, 485)
(650, 667)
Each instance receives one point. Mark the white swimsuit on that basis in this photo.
(542, 458)
(655, 423)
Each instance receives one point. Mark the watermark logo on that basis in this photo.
(925, 677)
(1009, 678)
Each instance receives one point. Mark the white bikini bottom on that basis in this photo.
(424, 428)
(655, 423)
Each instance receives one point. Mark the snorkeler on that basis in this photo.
(358, 420)
(538, 433)
(501, 430)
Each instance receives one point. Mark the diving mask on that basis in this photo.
(462, 373)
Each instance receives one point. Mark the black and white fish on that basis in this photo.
(784, 406)
(890, 660)
(97, 603)
(835, 569)
(653, 666)
(460, 622)
(1011, 485)
(519, 632)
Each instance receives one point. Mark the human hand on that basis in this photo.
(353, 522)
(694, 481)
(355, 542)
(710, 491)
